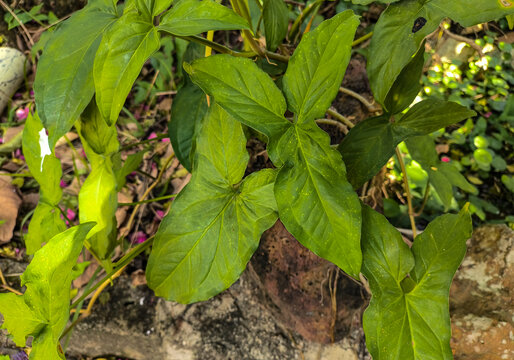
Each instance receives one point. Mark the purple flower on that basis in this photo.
(63, 184)
(20, 356)
(152, 136)
(139, 237)
(22, 113)
(159, 214)
(70, 214)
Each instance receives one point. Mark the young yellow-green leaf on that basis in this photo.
(275, 16)
(215, 224)
(317, 67)
(369, 145)
(244, 91)
(122, 53)
(19, 319)
(315, 201)
(403, 26)
(43, 310)
(46, 169)
(442, 176)
(408, 317)
(187, 111)
(64, 79)
(192, 17)
(98, 199)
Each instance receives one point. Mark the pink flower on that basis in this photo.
(445, 159)
(160, 214)
(31, 93)
(18, 154)
(152, 136)
(22, 113)
(139, 237)
(488, 115)
(166, 140)
(70, 214)
(63, 184)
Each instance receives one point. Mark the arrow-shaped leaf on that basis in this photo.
(215, 224)
(408, 317)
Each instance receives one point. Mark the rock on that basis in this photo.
(233, 325)
(481, 298)
(12, 67)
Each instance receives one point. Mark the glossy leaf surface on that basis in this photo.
(275, 16)
(192, 17)
(122, 53)
(46, 169)
(317, 67)
(369, 145)
(408, 317)
(43, 310)
(403, 26)
(62, 95)
(215, 224)
(315, 201)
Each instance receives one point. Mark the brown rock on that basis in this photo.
(299, 284)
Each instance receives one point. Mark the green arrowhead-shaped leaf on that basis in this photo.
(244, 91)
(275, 16)
(317, 67)
(43, 310)
(98, 195)
(442, 176)
(315, 201)
(122, 53)
(369, 145)
(64, 79)
(408, 317)
(403, 26)
(407, 84)
(192, 17)
(46, 169)
(187, 111)
(19, 319)
(215, 224)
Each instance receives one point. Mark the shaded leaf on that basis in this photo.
(408, 317)
(62, 95)
(275, 16)
(317, 67)
(192, 17)
(215, 224)
(402, 27)
(371, 143)
(122, 53)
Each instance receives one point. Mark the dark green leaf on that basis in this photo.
(407, 84)
(315, 201)
(317, 67)
(403, 26)
(408, 318)
(131, 164)
(62, 95)
(275, 16)
(121, 55)
(215, 223)
(366, 149)
(153, 8)
(192, 17)
(188, 109)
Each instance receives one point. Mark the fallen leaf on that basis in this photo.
(9, 210)
(121, 212)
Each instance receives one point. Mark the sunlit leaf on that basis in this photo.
(215, 224)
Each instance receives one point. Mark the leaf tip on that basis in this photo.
(188, 68)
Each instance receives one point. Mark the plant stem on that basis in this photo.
(370, 106)
(124, 261)
(362, 39)
(407, 191)
(301, 18)
(147, 141)
(340, 125)
(149, 200)
(425, 199)
(339, 117)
